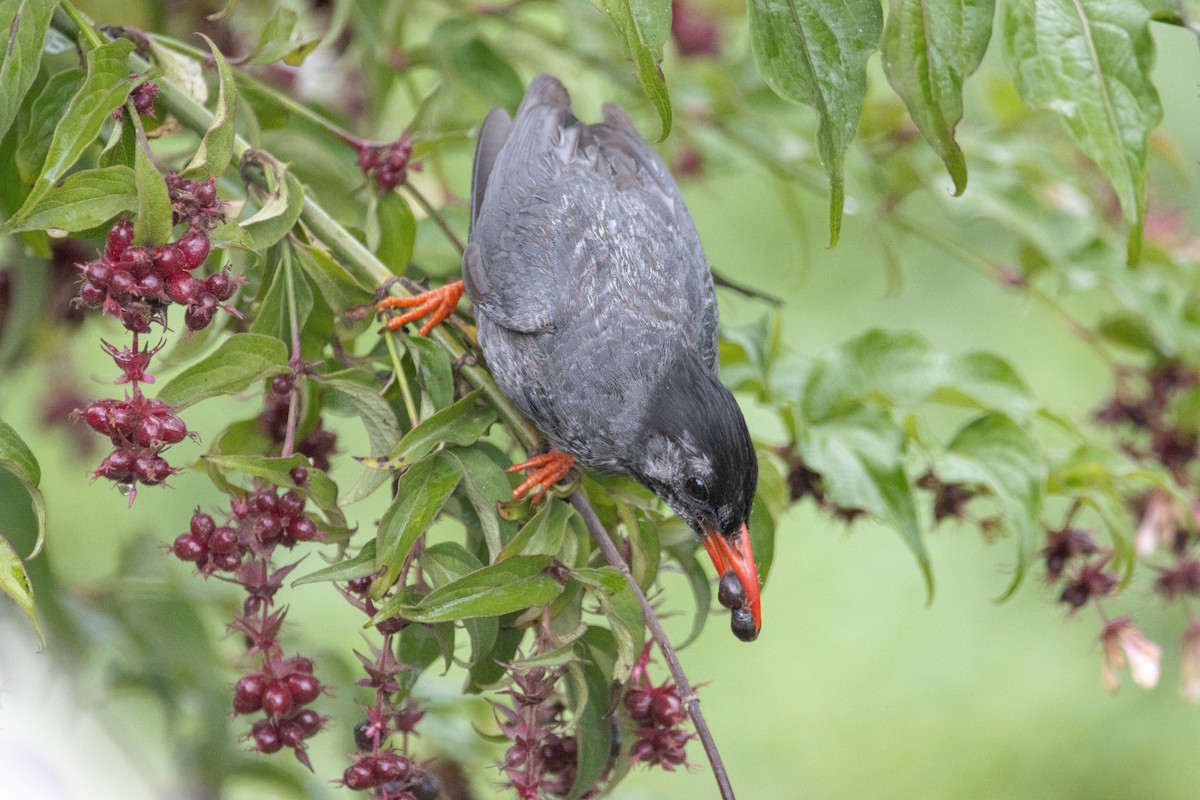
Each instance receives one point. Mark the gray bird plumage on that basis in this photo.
(597, 316)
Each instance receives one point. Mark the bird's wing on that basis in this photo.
(492, 135)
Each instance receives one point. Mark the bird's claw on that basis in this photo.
(547, 469)
(437, 304)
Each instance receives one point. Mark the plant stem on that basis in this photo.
(690, 701)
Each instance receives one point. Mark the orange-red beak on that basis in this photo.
(736, 554)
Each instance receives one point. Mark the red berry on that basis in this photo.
(182, 288)
(292, 733)
(392, 766)
(152, 469)
(140, 260)
(277, 698)
(222, 540)
(120, 236)
(99, 272)
(121, 284)
(193, 249)
(220, 285)
(300, 664)
(291, 504)
(173, 429)
(150, 285)
(167, 260)
(91, 295)
(148, 432)
(639, 702)
(299, 475)
(668, 710)
(202, 524)
(248, 693)
(96, 416)
(361, 775)
(189, 547)
(302, 529)
(136, 319)
(267, 740)
(644, 751)
(207, 303)
(359, 585)
(205, 192)
(267, 526)
(196, 319)
(227, 562)
(283, 384)
(309, 720)
(304, 687)
(266, 500)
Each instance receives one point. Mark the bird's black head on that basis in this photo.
(694, 452)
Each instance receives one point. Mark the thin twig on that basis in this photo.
(428, 208)
(690, 701)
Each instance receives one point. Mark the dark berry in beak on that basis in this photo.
(730, 593)
(742, 625)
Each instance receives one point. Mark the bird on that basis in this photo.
(597, 317)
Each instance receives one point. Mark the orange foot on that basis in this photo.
(437, 304)
(548, 469)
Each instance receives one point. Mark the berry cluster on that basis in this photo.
(658, 713)
(540, 761)
(194, 202)
(391, 774)
(139, 428)
(256, 524)
(242, 547)
(386, 165)
(281, 690)
(137, 284)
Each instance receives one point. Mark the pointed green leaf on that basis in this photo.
(1090, 62)
(644, 26)
(512, 585)
(84, 200)
(434, 373)
(593, 728)
(816, 54)
(460, 424)
(624, 614)
(277, 40)
(543, 534)
(360, 566)
(45, 115)
(216, 149)
(929, 48)
(152, 223)
(279, 212)
(240, 361)
(14, 582)
(860, 458)
(338, 287)
(994, 452)
(420, 495)
(392, 231)
(376, 415)
(25, 22)
(445, 563)
(485, 484)
(105, 89)
(17, 458)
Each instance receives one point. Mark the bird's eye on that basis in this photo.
(696, 488)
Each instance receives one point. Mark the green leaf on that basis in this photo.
(83, 201)
(216, 149)
(434, 373)
(420, 495)
(339, 287)
(543, 534)
(376, 415)
(485, 484)
(860, 457)
(240, 361)
(121, 149)
(287, 291)
(14, 582)
(277, 40)
(512, 585)
(45, 115)
(183, 72)
(105, 89)
(929, 48)
(483, 71)
(17, 458)
(25, 22)
(152, 224)
(995, 452)
(360, 566)
(593, 728)
(816, 54)
(698, 580)
(624, 614)
(447, 562)
(644, 26)
(461, 424)
(393, 232)
(279, 212)
(1091, 64)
